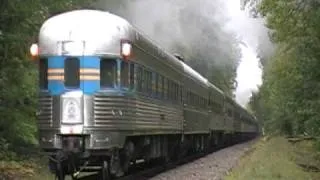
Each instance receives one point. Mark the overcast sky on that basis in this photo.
(251, 31)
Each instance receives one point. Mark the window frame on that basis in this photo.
(103, 84)
(125, 85)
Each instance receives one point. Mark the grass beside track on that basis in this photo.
(277, 158)
(27, 169)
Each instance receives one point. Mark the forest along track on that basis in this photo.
(141, 172)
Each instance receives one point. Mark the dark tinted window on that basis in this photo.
(71, 72)
(148, 82)
(43, 73)
(139, 79)
(160, 86)
(131, 76)
(229, 111)
(124, 74)
(108, 73)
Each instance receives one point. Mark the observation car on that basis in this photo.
(109, 96)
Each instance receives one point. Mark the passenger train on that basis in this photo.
(109, 96)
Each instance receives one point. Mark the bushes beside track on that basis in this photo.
(277, 158)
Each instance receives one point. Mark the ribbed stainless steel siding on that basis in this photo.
(197, 120)
(137, 114)
(45, 110)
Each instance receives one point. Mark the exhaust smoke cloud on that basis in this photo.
(207, 33)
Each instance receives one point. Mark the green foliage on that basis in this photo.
(288, 100)
(276, 159)
(19, 25)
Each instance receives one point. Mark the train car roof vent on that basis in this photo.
(178, 56)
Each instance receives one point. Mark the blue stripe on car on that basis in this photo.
(56, 87)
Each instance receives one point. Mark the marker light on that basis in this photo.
(125, 49)
(34, 50)
(71, 129)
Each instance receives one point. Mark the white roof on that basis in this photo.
(100, 31)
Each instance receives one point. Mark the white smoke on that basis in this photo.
(256, 42)
(166, 22)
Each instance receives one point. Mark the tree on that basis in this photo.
(19, 26)
(289, 94)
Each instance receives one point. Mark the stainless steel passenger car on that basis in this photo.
(110, 96)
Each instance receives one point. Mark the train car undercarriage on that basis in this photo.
(74, 159)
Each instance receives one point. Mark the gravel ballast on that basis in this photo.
(213, 166)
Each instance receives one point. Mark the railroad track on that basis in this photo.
(143, 172)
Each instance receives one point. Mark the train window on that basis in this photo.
(71, 72)
(170, 87)
(139, 79)
(202, 102)
(217, 107)
(132, 76)
(43, 73)
(149, 82)
(181, 93)
(187, 97)
(178, 92)
(198, 100)
(165, 87)
(162, 87)
(158, 88)
(174, 95)
(191, 98)
(196, 97)
(124, 74)
(155, 84)
(229, 112)
(172, 90)
(144, 81)
(108, 73)
(169, 90)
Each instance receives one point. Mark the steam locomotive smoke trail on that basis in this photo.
(254, 35)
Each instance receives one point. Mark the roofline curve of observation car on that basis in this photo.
(93, 32)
